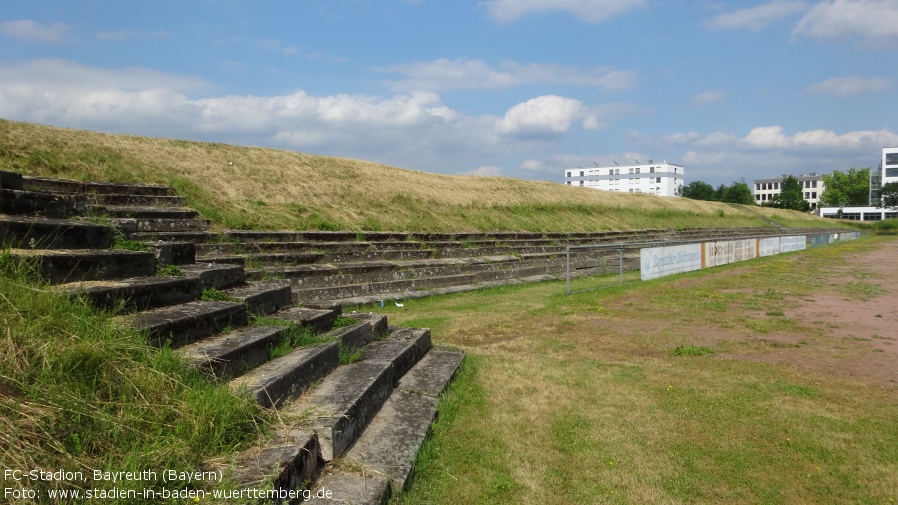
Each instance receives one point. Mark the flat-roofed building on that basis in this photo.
(653, 178)
(811, 188)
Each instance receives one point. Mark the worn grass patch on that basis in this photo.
(579, 399)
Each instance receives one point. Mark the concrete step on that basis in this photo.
(263, 297)
(215, 276)
(287, 377)
(423, 293)
(143, 211)
(188, 322)
(339, 407)
(44, 233)
(390, 443)
(72, 186)
(158, 225)
(11, 180)
(36, 203)
(231, 354)
(380, 463)
(59, 266)
(373, 289)
(320, 320)
(139, 200)
(223, 259)
(174, 253)
(140, 293)
(196, 237)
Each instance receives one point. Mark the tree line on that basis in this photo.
(841, 189)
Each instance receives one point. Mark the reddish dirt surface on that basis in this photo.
(858, 332)
(869, 324)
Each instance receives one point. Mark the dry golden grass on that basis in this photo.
(250, 187)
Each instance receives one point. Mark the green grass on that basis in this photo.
(78, 393)
(580, 400)
(693, 350)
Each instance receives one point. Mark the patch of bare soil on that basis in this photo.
(862, 330)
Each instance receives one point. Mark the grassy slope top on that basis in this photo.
(250, 187)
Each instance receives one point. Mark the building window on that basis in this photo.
(813, 184)
(581, 183)
(891, 158)
(659, 180)
(758, 197)
(776, 185)
(569, 173)
(807, 195)
(568, 183)
(581, 173)
(892, 172)
(651, 170)
(813, 194)
(637, 170)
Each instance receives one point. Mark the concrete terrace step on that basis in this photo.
(195, 237)
(143, 211)
(287, 377)
(339, 407)
(59, 266)
(263, 297)
(158, 225)
(215, 276)
(139, 293)
(72, 186)
(188, 322)
(319, 320)
(50, 205)
(389, 445)
(44, 233)
(223, 259)
(231, 354)
(424, 293)
(139, 200)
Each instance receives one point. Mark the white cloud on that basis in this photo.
(444, 74)
(485, 171)
(30, 31)
(548, 115)
(874, 21)
(774, 138)
(593, 11)
(849, 86)
(707, 98)
(757, 18)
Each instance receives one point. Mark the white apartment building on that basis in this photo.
(811, 186)
(653, 178)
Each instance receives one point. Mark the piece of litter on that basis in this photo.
(399, 304)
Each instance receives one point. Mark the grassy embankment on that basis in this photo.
(698, 388)
(245, 187)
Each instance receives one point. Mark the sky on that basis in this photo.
(513, 88)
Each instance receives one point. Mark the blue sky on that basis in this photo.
(513, 88)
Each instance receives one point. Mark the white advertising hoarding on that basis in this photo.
(795, 243)
(660, 261)
(768, 246)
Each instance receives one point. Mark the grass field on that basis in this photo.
(249, 187)
(694, 389)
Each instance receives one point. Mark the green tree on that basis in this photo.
(889, 195)
(849, 189)
(697, 190)
(738, 192)
(791, 196)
